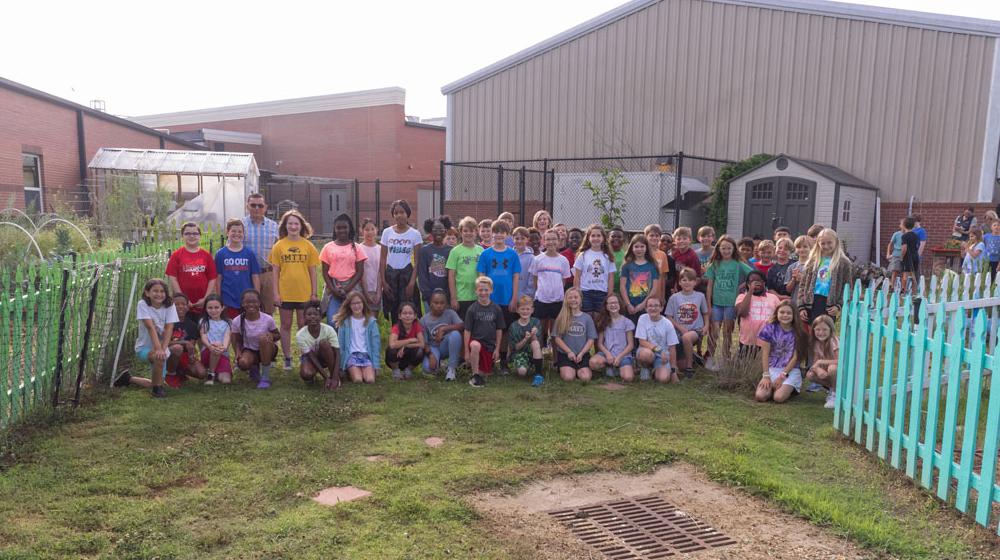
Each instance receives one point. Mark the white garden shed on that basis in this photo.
(797, 193)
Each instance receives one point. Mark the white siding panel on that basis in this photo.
(901, 107)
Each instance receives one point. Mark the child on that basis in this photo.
(574, 237)
(359, 339)
(615, 341)
(657, 344)
(371, 277)
(803, 244)
(319, 346)
(509, 218)
(535, 241)
(525, 284)
(399, 243)
(432, 260)
(462, 263)
(237, 267)
(706, 240)
(725, 274)
(215, 338)
(343, 264)
(525, 350)
(541, 221)
(777, 275)
(992, 242)
(745, 249)
(947, 278)
(782, 346)
(451, 237)
(975, 252)
(484, 326)
(765, 256)
(782, 232)
(574, 337)
(639, 278)
(594, 270)
(686, 310)
(665, 264)
(826, 272)
(616, 238)
(442, 335)
(814, 230)
(156, 316)
(823, 358)
(253, 336)
(406, 343)
(550, 271)
(754, 307)
(503, 266)
(683, 254)
(184, 360)
(293, 266)
(910, 252)
(894, 254)
(560, 230)
(191, 269)
(485, 230)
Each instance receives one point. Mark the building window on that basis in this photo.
(219, 147)
(31, 164)
(845, 215)
(762, 191)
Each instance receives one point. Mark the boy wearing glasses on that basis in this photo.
(191, 270)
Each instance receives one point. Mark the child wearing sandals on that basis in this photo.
(823, 357)
(318, 344)
(615, 341)
(782, 344)
(253, 337)
(574, 337)
(525, 350)
(359, 339)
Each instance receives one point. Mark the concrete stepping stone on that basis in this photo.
(335, 494)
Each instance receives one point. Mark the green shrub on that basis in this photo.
(718, 206)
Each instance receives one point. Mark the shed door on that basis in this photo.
(334, 203)
(779, 201)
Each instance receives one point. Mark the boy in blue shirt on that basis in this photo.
(502, 265)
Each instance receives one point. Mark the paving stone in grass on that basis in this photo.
(335, 494)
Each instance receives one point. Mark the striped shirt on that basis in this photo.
(260, 238)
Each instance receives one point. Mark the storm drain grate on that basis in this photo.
(639, 529)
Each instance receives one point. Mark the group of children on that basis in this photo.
(501, 297)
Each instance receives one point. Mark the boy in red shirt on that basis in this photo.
(191, 270)
(683, 254)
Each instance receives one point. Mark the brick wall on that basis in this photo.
(936, 217)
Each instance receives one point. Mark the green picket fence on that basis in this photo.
(915, 386)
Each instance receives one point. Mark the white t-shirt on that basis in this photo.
(160, 316)
(358, 342)
(400, 246)
(550, 272)
(374, 255)
(661, 333)
(595, 267)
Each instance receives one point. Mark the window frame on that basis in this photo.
(38, 179)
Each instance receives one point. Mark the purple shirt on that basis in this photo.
(782, 344)
(254, 330)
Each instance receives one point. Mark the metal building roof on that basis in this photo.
(175, 162)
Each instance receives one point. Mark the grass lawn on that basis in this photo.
(226, 472)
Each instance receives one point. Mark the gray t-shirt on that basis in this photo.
(483, 321)
(581, 329)
(687, 310)
(616, 335)
(430, 323)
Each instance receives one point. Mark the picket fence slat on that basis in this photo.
(845, 342)
(985, 488)
(896, 429)
(863, 366)
(971, 424)
(933, 398)
(886, 380)
(916, 395)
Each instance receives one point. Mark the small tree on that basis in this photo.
(608, 196)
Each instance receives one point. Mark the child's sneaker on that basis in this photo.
(831, 400)
(264, 384)
(644, 374)
(688, 373)
(123, 380)
(159, 392)
(397, 375)
(210, 380)
(711, 364)
(477, 381)
(537, 381)
(450, 376)
(610, 372)
(814, 387)
(407, 373)
(288, 364)
(254, 373)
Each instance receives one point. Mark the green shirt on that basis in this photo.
(463, 261)
(726, 277)
(517, 331)
(619, 262)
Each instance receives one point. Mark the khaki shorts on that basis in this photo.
(267, 292)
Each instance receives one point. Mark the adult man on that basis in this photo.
(261, 233)
(963, 223)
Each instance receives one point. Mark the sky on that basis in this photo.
(144, 58)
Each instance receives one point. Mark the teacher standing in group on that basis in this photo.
(261, 233)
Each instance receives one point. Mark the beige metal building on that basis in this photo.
(908, 102)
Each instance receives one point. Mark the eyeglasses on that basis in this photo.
(257, 205)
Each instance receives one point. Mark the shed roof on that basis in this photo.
(833, 173)
(938, 22)
(175, 162)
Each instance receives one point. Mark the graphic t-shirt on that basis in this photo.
(550, 274)
(236, 270)
(295, 259)
(525, 280)
(661, 333)
(253, 330)
(431, 324)
(193, 272)
(432, 272)
(160, 317)
(704, 253)
(823, 278)
(992, 243)
(400, 246)
(639, 280)
(185, 329)
(761, 309)
(687, 309)
(308, 343)
(500, 266)
(342, 259)
(782, 344)
(581, 329)
(616, 335)
(726, 277)
(517, 332)
(595, 268)
(464, 261)
(778, 277)
(688, 259)
(373, 259)
(483, 321)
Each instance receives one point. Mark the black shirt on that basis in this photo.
(483, 321)
(911, 260)
(777, 278)
(186, 329)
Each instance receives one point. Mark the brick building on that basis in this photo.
(319, 145)
(46, 143)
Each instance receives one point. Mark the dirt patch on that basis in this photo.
(434, 441)
(759, 529)
(157, 490)
(612, 386)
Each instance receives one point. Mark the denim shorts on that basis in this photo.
(720, 313)
(626, 361)
(593, 301)
(143, 354)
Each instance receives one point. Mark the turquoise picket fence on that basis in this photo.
(915, 382)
